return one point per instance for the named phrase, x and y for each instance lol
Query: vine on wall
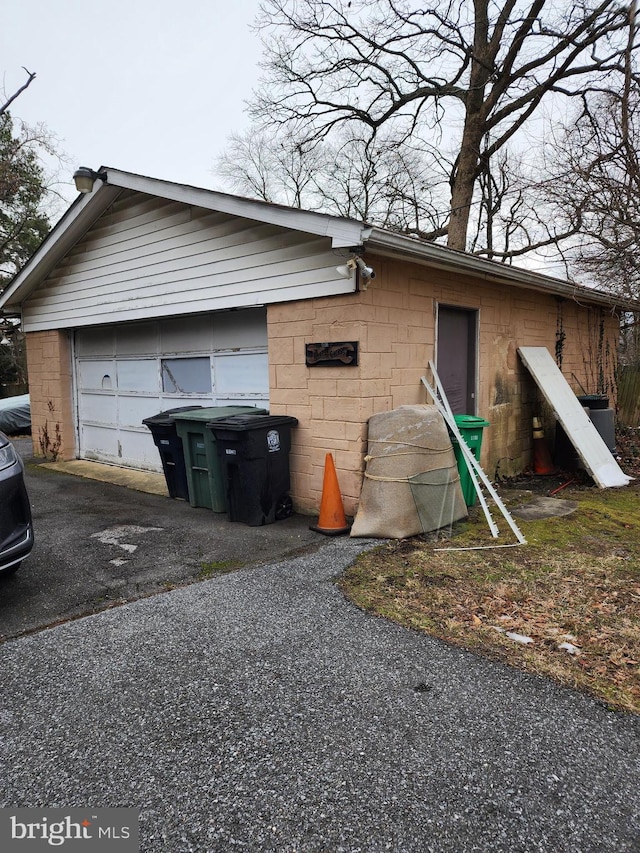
(50, 444)
(561, 335)
(600, 363)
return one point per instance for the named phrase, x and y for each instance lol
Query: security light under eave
(84, 178)
(346, 270)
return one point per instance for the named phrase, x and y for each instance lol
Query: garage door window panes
(138, 375)
(186, 375)
(241, 374)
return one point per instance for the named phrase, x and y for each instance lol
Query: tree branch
(30, 79)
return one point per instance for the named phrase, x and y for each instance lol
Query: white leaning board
(586, 439)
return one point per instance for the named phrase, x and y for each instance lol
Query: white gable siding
(151, 258)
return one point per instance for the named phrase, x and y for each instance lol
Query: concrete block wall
(394, 331)
(394, 322)
(49, 365)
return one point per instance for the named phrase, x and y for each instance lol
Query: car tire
(7, 573)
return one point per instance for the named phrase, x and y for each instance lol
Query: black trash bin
(254, 458)
(169, 444)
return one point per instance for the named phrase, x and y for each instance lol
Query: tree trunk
(462, 194)
(466, 168)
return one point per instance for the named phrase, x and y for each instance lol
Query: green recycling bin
(204, 477)
(471, 429)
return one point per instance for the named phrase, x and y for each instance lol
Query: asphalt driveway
(99, 545)
(260, 711)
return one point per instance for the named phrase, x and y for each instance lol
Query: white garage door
(129, 372)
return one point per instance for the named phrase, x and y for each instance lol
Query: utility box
(204, 476)
(254, 457)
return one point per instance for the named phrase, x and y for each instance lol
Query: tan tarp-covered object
(411, 482)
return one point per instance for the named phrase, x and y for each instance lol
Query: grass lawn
(566, 605)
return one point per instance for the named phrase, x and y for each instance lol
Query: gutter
(408, 248)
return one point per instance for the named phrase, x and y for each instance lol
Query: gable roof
(344, 233)
(87, 208)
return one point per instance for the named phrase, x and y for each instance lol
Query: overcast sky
(146, 86)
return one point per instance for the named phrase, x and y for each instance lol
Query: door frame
(473, 315)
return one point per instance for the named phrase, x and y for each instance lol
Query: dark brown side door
(456, 357)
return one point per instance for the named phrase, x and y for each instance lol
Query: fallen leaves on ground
(573, 593)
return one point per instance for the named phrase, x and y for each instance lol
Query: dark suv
(16, 527)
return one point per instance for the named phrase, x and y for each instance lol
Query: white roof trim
(344, 234)
(85, 210)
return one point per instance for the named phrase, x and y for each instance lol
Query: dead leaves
(622, 660)
(579, 608)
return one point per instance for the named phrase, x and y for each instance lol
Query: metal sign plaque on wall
(336, 354)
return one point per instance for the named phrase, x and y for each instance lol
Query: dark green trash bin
(471, 429)
(204, 478)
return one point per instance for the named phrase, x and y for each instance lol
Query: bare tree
(264, 166)
(349, 175)
(440, 79)
(595, 181)
(513, 217)
(31, 75)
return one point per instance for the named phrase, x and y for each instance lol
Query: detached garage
(149, 295)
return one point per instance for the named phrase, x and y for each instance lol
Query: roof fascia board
(344, 233)
(431, 254)
(70, 228)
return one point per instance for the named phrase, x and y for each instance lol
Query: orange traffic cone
(332, 521)
(542, 463)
